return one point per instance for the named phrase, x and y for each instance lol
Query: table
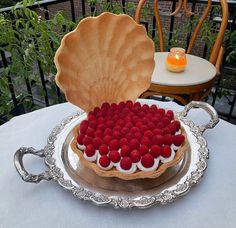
(210, 204)
(196, 81)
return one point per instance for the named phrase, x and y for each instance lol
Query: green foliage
(31, 41)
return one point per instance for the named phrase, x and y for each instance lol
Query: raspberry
(178, 139)
(126, 111)
(99, 134)
(137, 104)
(145, 121)
(97, 142)
(146, 141)
(129, 104)
(177, 124)
(168, 139)
(149, 134)
(114, 156)
(141, 114)
(91, 116)
(158, 140)
(84, 123)
(93, 124)
(160, 126)
(103, 149)
(161, 111)
(134, 144)
(135, 156)
(153, 107)
(117, 128)
(104, 161)
(124, 131)
(114, 106)
(156, 120)
(135, 119)
(83, 129)
(129, 125)
(172, 128)
(133, 130)
(125, 151)
(139, 124)
(101, 127)
(107, 139)
(166, 130)
(129, 136)
(166, 121)
(151, 126)
(120, 123)
(157, 132)
(96, 110)
(89, 150)
(116, 134)
(80, 138)
(121, 105)
(138, 136)
(126, 163)
(87, 140)
(143, 149)
(110, 123)
(114, 144)
(145, 108)
(170, 114)
(144, 129)
(123, 141)
(90, 132)
(165, 151)
(155, 151)
(107, 131)
(100, 120)
(105, 105)
(147, 161)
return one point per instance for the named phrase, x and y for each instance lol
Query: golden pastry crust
(136, 175)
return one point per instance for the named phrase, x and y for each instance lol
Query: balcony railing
(25, 92)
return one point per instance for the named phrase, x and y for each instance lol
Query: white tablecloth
(210, 204)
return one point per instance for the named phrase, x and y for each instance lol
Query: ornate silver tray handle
(65, 169)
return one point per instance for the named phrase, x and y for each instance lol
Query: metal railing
(78, 11)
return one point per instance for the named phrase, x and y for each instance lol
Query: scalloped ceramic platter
(66, 169)
(106, 58)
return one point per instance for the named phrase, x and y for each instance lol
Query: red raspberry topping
(103, 149)
(165, 151)
(126, 163)
(107, 139)
(125, 151)
(121, 105)
(114, 144)
(129, 104)
(80, 138)
(158, 140)
(155, 151)
(104, 161)
(97, 143)
(145, 108)
(133, 130)
(120, 123)
(105, 105)
(96, 110)
(153, 107)
(172, 128)
(168, 139)
(83, 129)
(135, 156)
(149, 134)
(90, 150)
(177, 124)
(137, 104)
(157, 132)
(87, 140)
(166, 130)
(114, 156)
(138, 136)
(151, 126)
(170, 114)
(124, 131)
(144, 129)
(147, 161)
(161, 111)
(139, 124)
(129, 125)
(143, 150)
(90, 132)
(93, 124)
(101, 120)
(178, 139)
(84, 123)
(166, 121)
(116, 135)
(123, 141)
(107, 131)
(110, 123)
(114, 106)
(146, 141)
(134, 144)
(129, 136)
(160, 126)
(101, 127)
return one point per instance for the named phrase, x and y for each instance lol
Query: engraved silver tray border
(168, 195)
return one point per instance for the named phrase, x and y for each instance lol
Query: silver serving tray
(65, 168)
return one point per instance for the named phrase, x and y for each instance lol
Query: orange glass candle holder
(176, 60)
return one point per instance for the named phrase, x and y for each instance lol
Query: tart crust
(136, 175)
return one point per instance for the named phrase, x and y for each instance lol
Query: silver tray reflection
(65, 168)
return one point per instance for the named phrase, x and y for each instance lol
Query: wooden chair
(195, 92)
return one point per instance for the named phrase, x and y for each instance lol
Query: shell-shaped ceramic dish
(106, 58)
(136, 175)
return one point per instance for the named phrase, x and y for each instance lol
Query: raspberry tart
(129, 140)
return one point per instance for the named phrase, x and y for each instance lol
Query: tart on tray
(103, 71)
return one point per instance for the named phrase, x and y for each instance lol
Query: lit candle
(176, 60)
